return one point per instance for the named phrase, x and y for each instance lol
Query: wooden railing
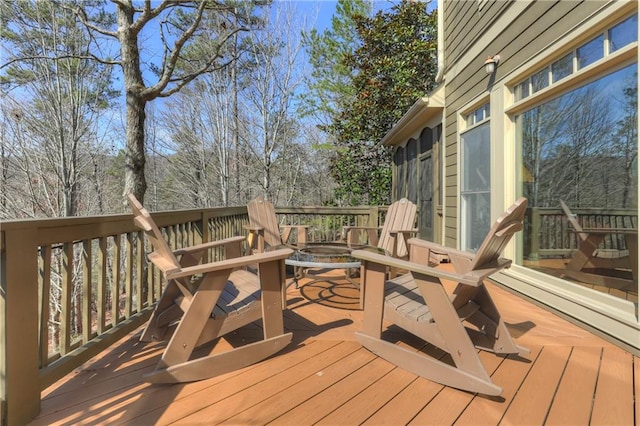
(549, 234)
(73, 286)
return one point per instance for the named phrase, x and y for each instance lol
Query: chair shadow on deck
(334, 292)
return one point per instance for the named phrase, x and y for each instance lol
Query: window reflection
(562, 68)
(623, 34)
(540, 80)
(590, 52)
(581, 149)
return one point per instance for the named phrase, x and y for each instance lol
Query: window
(562, 68)
(623, 34)
(476, 181)
(540, 80)
(581, 148)
(590, 52)
(478, 115)
(617, 37)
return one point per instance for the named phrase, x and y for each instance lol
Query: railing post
(19, 305)
(534, 244)
(374, 215)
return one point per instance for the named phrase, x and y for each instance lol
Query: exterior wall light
(491, 63)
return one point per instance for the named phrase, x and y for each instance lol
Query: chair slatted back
(401, 215)
(162, 256)
(573, 220)
(510, 222)
(262, 214)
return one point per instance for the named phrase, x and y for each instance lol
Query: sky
(322, 10)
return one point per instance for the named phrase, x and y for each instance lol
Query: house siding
(471, 34)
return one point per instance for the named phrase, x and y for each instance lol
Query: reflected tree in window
(582, 146)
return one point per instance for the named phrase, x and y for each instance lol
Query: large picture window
(579, 173)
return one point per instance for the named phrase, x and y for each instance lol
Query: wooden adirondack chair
(264, 230)
(399, 225)
(419, 303)
(202, 302)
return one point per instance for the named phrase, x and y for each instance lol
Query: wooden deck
(326, 377)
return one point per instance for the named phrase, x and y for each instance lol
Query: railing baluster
(87, 270)
(129, 277)
(102, 285)
(45, 298)
(140, 271)
(67, 284)
(115, 285)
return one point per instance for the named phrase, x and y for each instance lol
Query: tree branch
(58, 58)
(81, 14)
(169, 63)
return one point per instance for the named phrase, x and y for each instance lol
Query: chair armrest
(458, 256)
(253, 228)
(404, 231)
(398, 250)
(234, 263)
(418, 243)
(392, 262)
(488, 269)
(206, 246)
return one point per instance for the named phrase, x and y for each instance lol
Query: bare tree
(197, 145)
(58, 100)
(178, 23)
(270, 98)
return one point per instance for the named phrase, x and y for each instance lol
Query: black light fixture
(491, 64)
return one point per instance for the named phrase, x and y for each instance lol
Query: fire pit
(329, 256)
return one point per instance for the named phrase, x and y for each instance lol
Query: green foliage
(47, 41)
(329, 86)
(395, 65)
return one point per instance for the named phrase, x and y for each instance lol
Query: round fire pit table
(326, 256)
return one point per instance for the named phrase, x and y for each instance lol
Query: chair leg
(164, 313)
(468, 373)
(489, 320)
(272, 278)
(445, 317)
(197, 326)
(188, 331)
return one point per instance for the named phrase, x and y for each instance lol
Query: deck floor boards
(325, 377)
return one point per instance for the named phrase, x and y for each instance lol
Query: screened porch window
(400, 164)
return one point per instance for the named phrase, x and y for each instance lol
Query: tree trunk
(135, 158)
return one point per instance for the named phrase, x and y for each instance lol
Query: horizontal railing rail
(73, 286)
(326, 223)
